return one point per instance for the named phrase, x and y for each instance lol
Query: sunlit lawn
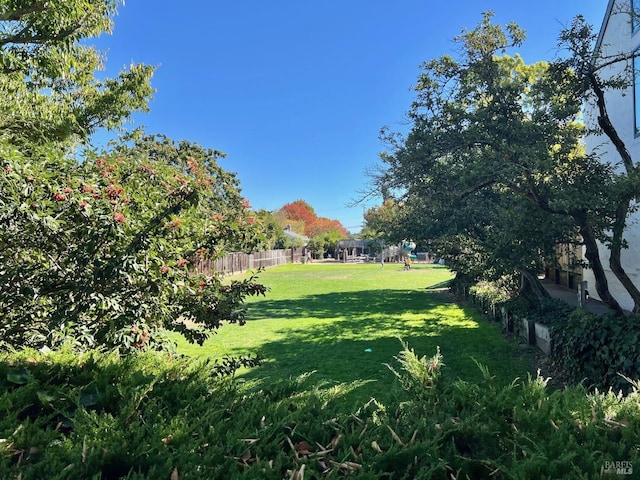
(343, 322)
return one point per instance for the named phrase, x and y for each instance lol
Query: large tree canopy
(101, 250)
(492, 171)
(48, 90)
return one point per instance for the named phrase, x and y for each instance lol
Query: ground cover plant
(342, 321)
(69, 416)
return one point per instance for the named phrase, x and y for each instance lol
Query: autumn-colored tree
(323, 225)
(303, 219)
(300, 211)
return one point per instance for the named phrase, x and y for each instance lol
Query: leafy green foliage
(105, 252)
(325, 243)
(492, 175)
(274, 235)
(150, 416)
(497, 292)
(384, 224)
(48, 92)
(598, 350)
(552, 312)
(417, 374)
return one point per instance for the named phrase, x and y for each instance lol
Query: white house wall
(617, 38)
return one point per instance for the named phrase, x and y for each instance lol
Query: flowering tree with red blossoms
(102, 251)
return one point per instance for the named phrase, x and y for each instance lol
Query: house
(297, 238)
(619, 35)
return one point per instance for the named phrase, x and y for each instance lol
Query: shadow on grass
(439, 286)
(359, 334)
(353, 305)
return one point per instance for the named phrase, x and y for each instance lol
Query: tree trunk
(616, 251)
(593, 256)
(531, 286)
(604, 121)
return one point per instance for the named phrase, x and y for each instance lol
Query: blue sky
(295, 92)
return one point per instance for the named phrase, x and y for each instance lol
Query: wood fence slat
(239, 262)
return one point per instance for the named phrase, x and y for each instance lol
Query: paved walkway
(571, 297)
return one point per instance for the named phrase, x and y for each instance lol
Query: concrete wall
(617, 38)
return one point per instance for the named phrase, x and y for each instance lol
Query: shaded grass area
(343, 322)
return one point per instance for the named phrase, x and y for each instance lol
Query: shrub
(496, 292)
(151, 416)
(102, 252)
(417, 374)
(552, 312)
(598, 349)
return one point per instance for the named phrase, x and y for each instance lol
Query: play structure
(407, 247)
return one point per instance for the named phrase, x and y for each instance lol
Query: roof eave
(603, 27)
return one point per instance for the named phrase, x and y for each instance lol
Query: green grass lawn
(326, 317)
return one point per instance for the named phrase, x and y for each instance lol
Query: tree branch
(16, 15)
(605, 123)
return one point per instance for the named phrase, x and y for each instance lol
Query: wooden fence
(241, 262)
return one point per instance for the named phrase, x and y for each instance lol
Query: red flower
(82, 203)
(164, 269)
(119, 217)
(192, 165)
(147, 168)
(181, 263)
(113, 191)
(245, 203)
(59, 197)
(67, 190)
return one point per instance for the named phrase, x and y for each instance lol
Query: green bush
(495, 292)
(597, 349)
(150, 416)
(104, 252)
(552, 312)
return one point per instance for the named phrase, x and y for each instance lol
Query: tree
(385, 224)
(595, 76)
(492, 140)
(275, 237)
(303, 219)
(104, 251)
(300, 211)
(48, 91)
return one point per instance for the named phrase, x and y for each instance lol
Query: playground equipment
(407, 247)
